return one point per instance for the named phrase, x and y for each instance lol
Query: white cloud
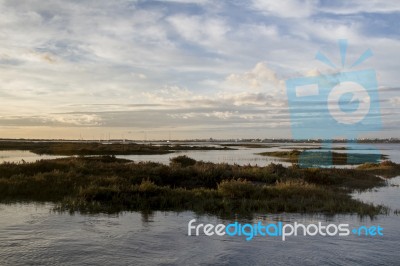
(255, 78)
(192, 58)
(201, 30)
(169, 94)
(259, 87)
(307, 8)
(360, 6)
(288, 8)
(74, 119)
(395, 101)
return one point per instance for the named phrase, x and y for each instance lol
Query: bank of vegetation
(107, 184)
(316, 157)
(98, 148)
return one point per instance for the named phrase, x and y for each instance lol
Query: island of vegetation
(108, 184)
(320, 157)
(97, 148)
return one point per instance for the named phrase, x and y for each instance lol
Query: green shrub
(183, 161)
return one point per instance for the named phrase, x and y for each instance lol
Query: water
(19, 156)
(31, 234)
(241, 156)
(388, 195)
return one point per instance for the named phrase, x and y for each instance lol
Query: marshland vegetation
(70, 148)
(108, 184)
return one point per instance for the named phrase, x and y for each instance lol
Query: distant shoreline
(268, 140)
(70, 148)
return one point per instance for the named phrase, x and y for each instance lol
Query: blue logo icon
(344, 104)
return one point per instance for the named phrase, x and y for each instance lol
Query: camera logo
(348, 103)
(343, 104)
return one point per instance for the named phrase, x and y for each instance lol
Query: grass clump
(183, 161)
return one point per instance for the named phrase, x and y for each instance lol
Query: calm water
(27, 156)
(31, 234)
(241, 156)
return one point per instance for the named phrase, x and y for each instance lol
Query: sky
(181, 69)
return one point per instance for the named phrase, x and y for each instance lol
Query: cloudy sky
(180, 69)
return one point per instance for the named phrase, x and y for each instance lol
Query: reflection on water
(241, 156)
(388, 195)
(33, 234)
(20, 156)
